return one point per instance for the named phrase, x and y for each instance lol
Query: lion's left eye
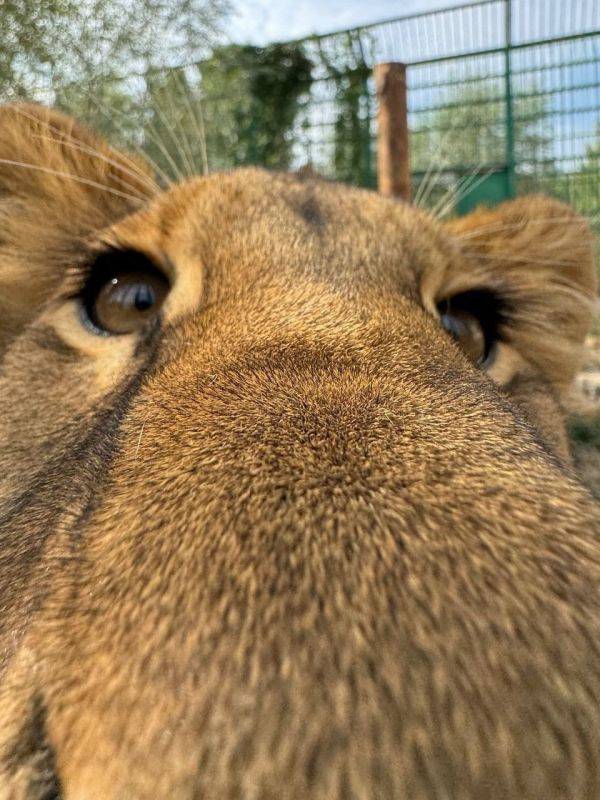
(468, 332)
(124, 292)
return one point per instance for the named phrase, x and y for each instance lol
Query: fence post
(393, 166)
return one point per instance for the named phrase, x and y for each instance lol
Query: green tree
(470, 130)
(104, 62)
(581, 188)
(47, 45)
(28, 32)
(253, 96)
(352, 156)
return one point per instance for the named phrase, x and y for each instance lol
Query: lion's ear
(59, 183)
(535, 255)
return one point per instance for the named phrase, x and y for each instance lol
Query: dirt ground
(584, 421)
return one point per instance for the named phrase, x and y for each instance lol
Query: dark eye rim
(489, 309)
(105, 267)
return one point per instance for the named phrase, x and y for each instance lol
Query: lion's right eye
(124, 293)
(467, 331)
(475, 320)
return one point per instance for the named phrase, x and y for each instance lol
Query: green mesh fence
(504, 98)
(511, 119)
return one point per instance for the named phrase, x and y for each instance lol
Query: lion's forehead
(250, 226)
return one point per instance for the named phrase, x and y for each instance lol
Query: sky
(262, 21)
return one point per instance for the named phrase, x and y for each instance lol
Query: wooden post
(393, 166)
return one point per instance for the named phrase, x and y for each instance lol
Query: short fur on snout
(288, 542)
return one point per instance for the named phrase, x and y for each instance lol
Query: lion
(287, 507)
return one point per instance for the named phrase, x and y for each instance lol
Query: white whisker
(89, 151)
(424, 186)
(109, 114)
(452, 190)
(429, 181)
(463, 192)
(70, 176)
(169, 129)
(184, 142)
(199, 126)
(431, 175)
(203, 142)
(450, 194)
(153, 135)
(434, 171)
(78, 144)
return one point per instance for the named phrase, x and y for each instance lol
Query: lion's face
(285, 498)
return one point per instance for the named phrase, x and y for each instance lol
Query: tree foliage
(461, 147)
(253, 98)
(47, 45)
(470, 129)
(352, 129)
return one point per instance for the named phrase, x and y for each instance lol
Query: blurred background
(503, 96)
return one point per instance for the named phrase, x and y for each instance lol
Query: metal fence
(503, 98)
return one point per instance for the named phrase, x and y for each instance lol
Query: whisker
(109, 113)
(183, 88)
(100, 157)
(424, 185)
(451, 193)
(203, 143)
(184, 142)
(453, 189)
(78, 144)
(442, 156)
(154, 136)
(70, 176)
(449, 196)
(198, 126)
(463, 192)
(434, 174)
(472, 184)
(427, 184)
(169, 129)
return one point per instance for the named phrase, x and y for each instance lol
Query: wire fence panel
(503, 98)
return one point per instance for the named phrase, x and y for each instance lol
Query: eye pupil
(144, 297)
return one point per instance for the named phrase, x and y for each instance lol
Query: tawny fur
(289, 543)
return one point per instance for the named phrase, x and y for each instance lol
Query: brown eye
(466, 329)
(477, 320)
(124, 292)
